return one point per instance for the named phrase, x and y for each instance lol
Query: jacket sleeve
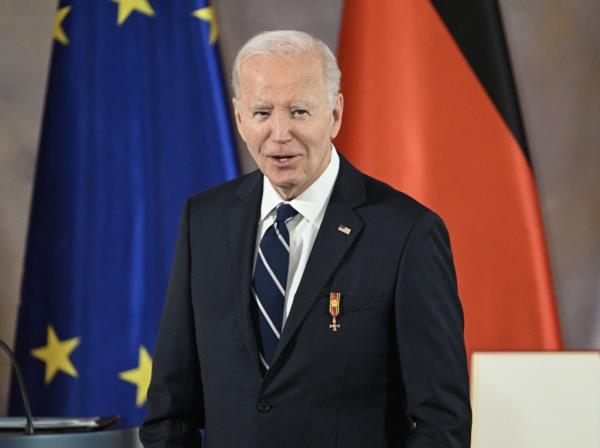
(175, 402)
(429, 337)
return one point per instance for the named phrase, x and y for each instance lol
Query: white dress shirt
(303, 228)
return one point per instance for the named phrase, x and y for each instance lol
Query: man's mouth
(282, 159)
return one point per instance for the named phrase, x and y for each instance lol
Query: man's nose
(280, 128)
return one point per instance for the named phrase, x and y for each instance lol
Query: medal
(334, 310)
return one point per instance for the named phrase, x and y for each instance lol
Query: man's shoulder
(227, 193)
(397, 207)
(382, 197)
(396, 214)
(385, 194)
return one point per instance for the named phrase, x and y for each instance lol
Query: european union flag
(135, 121)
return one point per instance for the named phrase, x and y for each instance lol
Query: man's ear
(338, 110)
(238, 116)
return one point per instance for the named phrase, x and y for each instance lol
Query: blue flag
(135, 121)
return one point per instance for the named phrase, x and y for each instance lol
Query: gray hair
(285, 42)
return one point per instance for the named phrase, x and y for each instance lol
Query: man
(309, 305)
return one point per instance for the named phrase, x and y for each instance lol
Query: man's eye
(299, 112)
(260, 114)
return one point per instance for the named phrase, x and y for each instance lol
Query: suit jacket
(394, 375)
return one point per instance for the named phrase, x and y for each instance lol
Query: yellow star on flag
(208, 15)
(140, 376)
(126, 7)
(58, 33)
(56, 355)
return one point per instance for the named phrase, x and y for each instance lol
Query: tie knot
(285, 212)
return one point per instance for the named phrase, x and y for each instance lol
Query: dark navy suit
(394, 375)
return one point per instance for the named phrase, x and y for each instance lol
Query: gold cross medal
(334, 309)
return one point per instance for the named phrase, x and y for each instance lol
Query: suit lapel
(329, 248)
(243, 222)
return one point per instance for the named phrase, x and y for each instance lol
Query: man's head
(287, 106)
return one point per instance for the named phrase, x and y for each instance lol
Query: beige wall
(555, 47)
(25, 30)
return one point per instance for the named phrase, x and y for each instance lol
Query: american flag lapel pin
(345, 230)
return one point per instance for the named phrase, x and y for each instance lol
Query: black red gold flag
(430, 108)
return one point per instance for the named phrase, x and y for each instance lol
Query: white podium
(536, 399)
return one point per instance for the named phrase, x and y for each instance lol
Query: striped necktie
(269, 283)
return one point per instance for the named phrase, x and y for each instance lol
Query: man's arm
(175, 404)
(429, 334)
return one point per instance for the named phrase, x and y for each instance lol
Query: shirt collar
(312, 201)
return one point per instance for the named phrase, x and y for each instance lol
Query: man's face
(286, 120)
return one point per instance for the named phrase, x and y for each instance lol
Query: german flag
(431, 109)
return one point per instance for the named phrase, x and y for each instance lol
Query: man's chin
(287, 188)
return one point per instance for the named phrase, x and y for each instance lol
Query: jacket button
(263, 406)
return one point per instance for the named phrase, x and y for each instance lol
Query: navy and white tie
(269, 283)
